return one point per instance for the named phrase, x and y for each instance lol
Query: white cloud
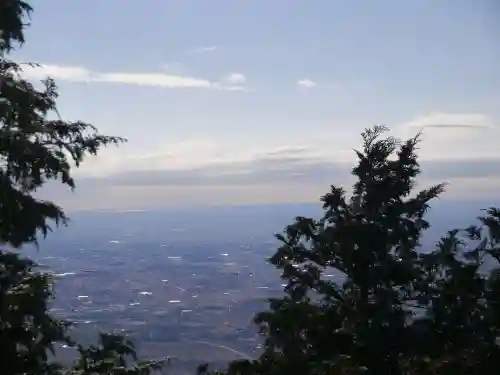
(206, 49)
(172, 156)
(232, 82)
(453, 135)
(201, 162)
(449, 120)
(203, 165)
(154, 79)
(231, 87)
(205, 153)
(67, 73)
(189, 153)
(306, 83)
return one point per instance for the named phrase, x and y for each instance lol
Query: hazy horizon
(221, 223)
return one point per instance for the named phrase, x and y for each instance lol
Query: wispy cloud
(202, 162)
(453, 135)
(198, 163)
(449, 120)
(291, 178)
(202, 153)
(234, 82)
(154, 79)
(220, 172)
(306, 83)
(66, 73)
(295, 169)
(205, 49)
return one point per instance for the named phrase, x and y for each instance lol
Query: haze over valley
(184, 283)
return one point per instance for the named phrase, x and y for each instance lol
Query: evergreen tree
(393, 308)
(34, 149)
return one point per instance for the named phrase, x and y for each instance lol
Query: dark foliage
(393, 308)
(34, 148)
(37, 146)
(27, 332)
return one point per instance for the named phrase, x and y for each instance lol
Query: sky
(263, 101)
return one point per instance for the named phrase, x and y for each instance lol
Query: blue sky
(232, 88)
